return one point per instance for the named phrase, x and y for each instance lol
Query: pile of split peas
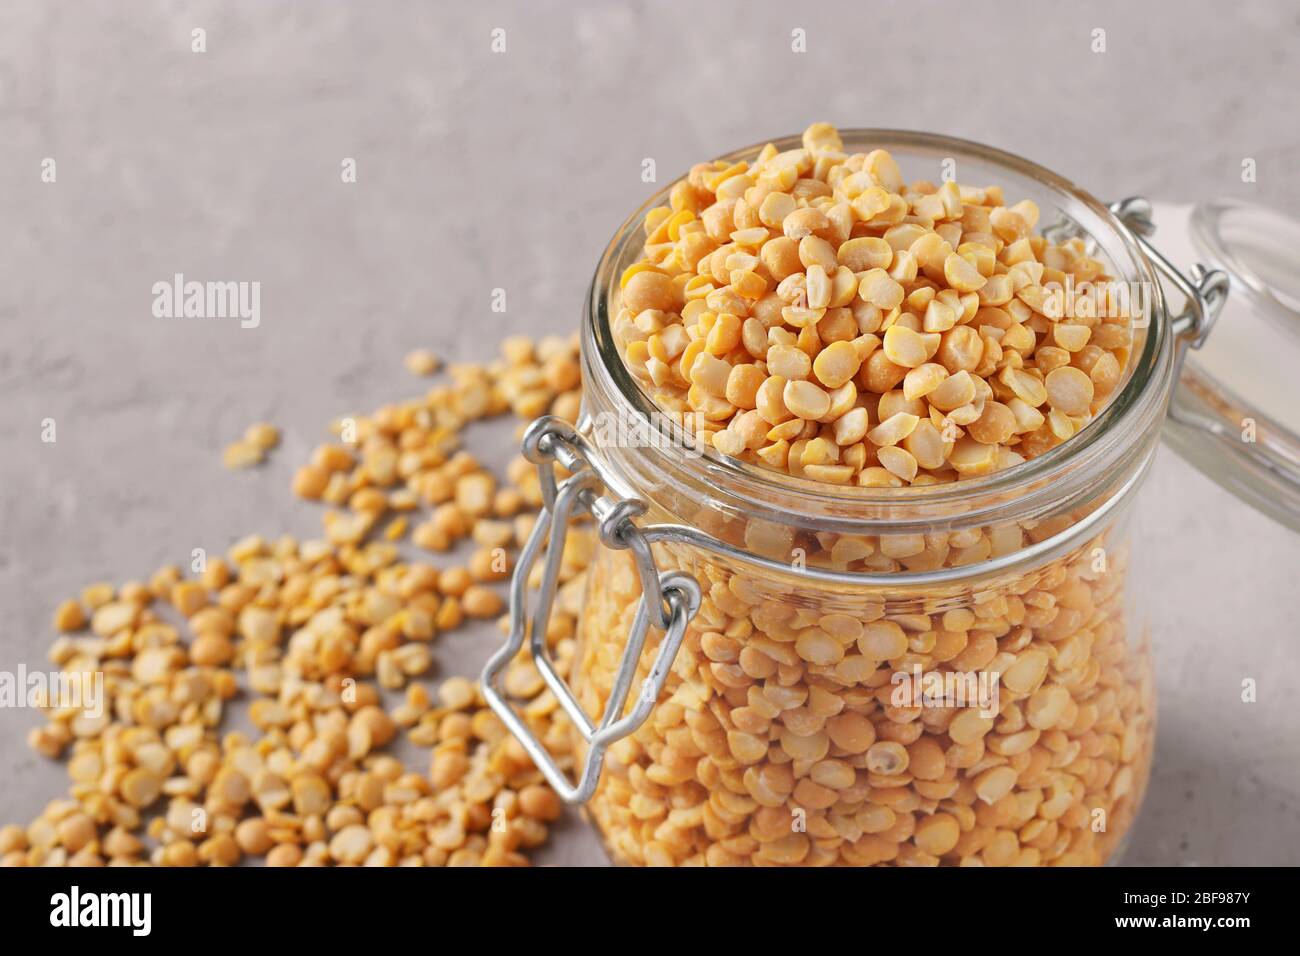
(308, 635)
(812, 312)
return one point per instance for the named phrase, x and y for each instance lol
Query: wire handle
(1205, 290)
(668, 603)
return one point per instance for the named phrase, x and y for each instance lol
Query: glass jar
(942, 674)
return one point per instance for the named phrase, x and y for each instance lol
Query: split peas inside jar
(808, 312)
(812, 313)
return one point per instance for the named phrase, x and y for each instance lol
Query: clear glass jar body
(1012, 724)
(953, 674)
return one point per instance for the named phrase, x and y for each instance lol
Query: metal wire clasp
(1205, 291)
(668, 602)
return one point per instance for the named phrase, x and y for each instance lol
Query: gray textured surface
(479, 171)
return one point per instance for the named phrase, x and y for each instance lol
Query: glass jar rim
(1140, 400)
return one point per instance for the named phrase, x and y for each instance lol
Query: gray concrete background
(479, 170)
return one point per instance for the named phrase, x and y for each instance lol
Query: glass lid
(1236, 411)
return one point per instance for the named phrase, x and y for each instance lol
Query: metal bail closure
(1205, 291)
(668, 603)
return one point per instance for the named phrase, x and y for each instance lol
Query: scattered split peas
(312, 631)
(793, 298)
(406, 456)
(252, 448)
